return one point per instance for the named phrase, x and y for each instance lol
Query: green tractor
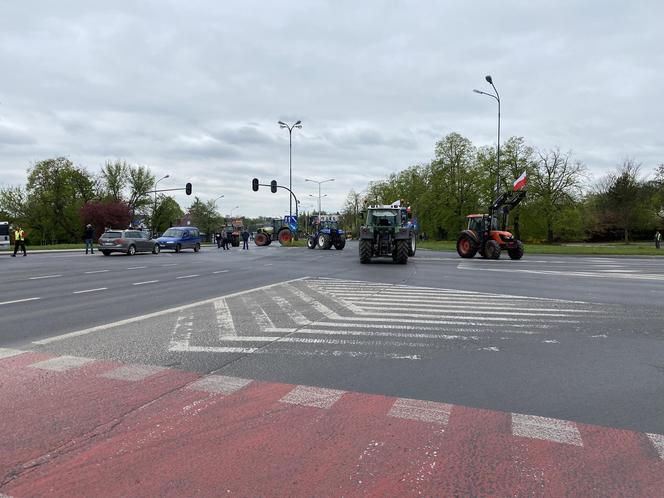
(387, 233)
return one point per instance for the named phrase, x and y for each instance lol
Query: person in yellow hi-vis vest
(19, 241)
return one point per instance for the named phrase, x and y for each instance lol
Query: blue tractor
(326, 233)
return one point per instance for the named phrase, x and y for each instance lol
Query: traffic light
(187, 188)
(273, 186)
(254, 184)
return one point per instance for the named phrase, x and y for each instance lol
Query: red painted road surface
(77, 427)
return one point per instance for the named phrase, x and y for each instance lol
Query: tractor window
(383, 218)
(475, 224)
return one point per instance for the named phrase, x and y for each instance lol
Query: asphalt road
(576, 338)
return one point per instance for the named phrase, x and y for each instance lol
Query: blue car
(178, 238)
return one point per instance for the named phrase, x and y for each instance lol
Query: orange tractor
(487, 233)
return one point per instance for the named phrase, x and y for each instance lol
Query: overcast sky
(194, 89)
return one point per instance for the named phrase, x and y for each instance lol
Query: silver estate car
(127, 241)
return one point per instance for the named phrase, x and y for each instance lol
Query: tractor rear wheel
(365, 251)
(492, 249)
(517, 252)
(261, 239)
(401, 252)
(412, 246)
(311, 243)
(324, 241)
(339, 244)
(285, 237)
(466, 246)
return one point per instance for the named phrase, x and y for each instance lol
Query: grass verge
(607, 249)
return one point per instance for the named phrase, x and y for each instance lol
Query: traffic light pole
(291, 193)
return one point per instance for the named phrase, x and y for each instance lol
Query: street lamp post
(215, 201)
(236, 207)
(319, 184)
(497, 97)
(154, 210)
(297, 124)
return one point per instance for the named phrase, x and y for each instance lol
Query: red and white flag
(520, 182)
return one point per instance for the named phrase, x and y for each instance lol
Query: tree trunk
(549, 231)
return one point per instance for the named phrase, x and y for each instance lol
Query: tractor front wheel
(492, 250)
(261, 239)
(365, 251)
(311, 243)
(340, 244)
(401, 252)
(412, 246)
(466, 246)
(517, 252)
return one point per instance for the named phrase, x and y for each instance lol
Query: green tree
(56, 192)
(166, 214)
(555, 184)
(115, 177)
(204, 215)
(141, 183)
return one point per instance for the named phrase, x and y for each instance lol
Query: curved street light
(297, 124)
(319, 184)
(236, 207)
(489, 80)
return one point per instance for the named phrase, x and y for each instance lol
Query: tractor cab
(384, 218)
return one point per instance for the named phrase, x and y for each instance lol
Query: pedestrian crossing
(333, 317)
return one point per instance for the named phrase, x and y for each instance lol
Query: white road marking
(219, 384)
(20, 300)
(44, 276)
(603, 336)
(551, 341)
(170, 264)
(259, 314)
(489, 327)
(153, 315)
(146, 282)
(290, 310)
(548, 429)
(373, 305)
(133, 373)
(490, 348)
(424, 411)
(320, 307)
(8, 353)
(90, 290)
(97, 271)
(658, 442)
(219, 271)
(185, 347)
(136, 267)
(365, 333)
(311, 340)
(317, 397)
(186, 276)
(62, 363)
(224, 319)
(458, 320)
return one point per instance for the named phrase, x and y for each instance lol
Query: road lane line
(8, 353)
(90, 290)
(548, 429)
(136, 267)
(186, 276)
(170, 264)
(219, 384)
(97, 271)
(317, 397)
(155, 314)
(424, 411)
(20, 300)
(44, 276)
(62, 363)
(146, 282)
(219, 271)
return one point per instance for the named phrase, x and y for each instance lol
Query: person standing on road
(88, 236)
(658, 239)
(245, 239)
(19, 241)
(227, 240)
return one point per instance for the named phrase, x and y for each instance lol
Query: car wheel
(106, 253)
(178, 248)
(197, 247)
(131, 251)
(156, 249)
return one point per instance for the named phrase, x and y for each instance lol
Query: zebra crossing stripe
(290, 310)
(133, 373)
(224, 319)
(317, 397)
(549, 429)
(219, 384)
(423, 411)
(61, 363)
(8, 353)
(657, 441)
